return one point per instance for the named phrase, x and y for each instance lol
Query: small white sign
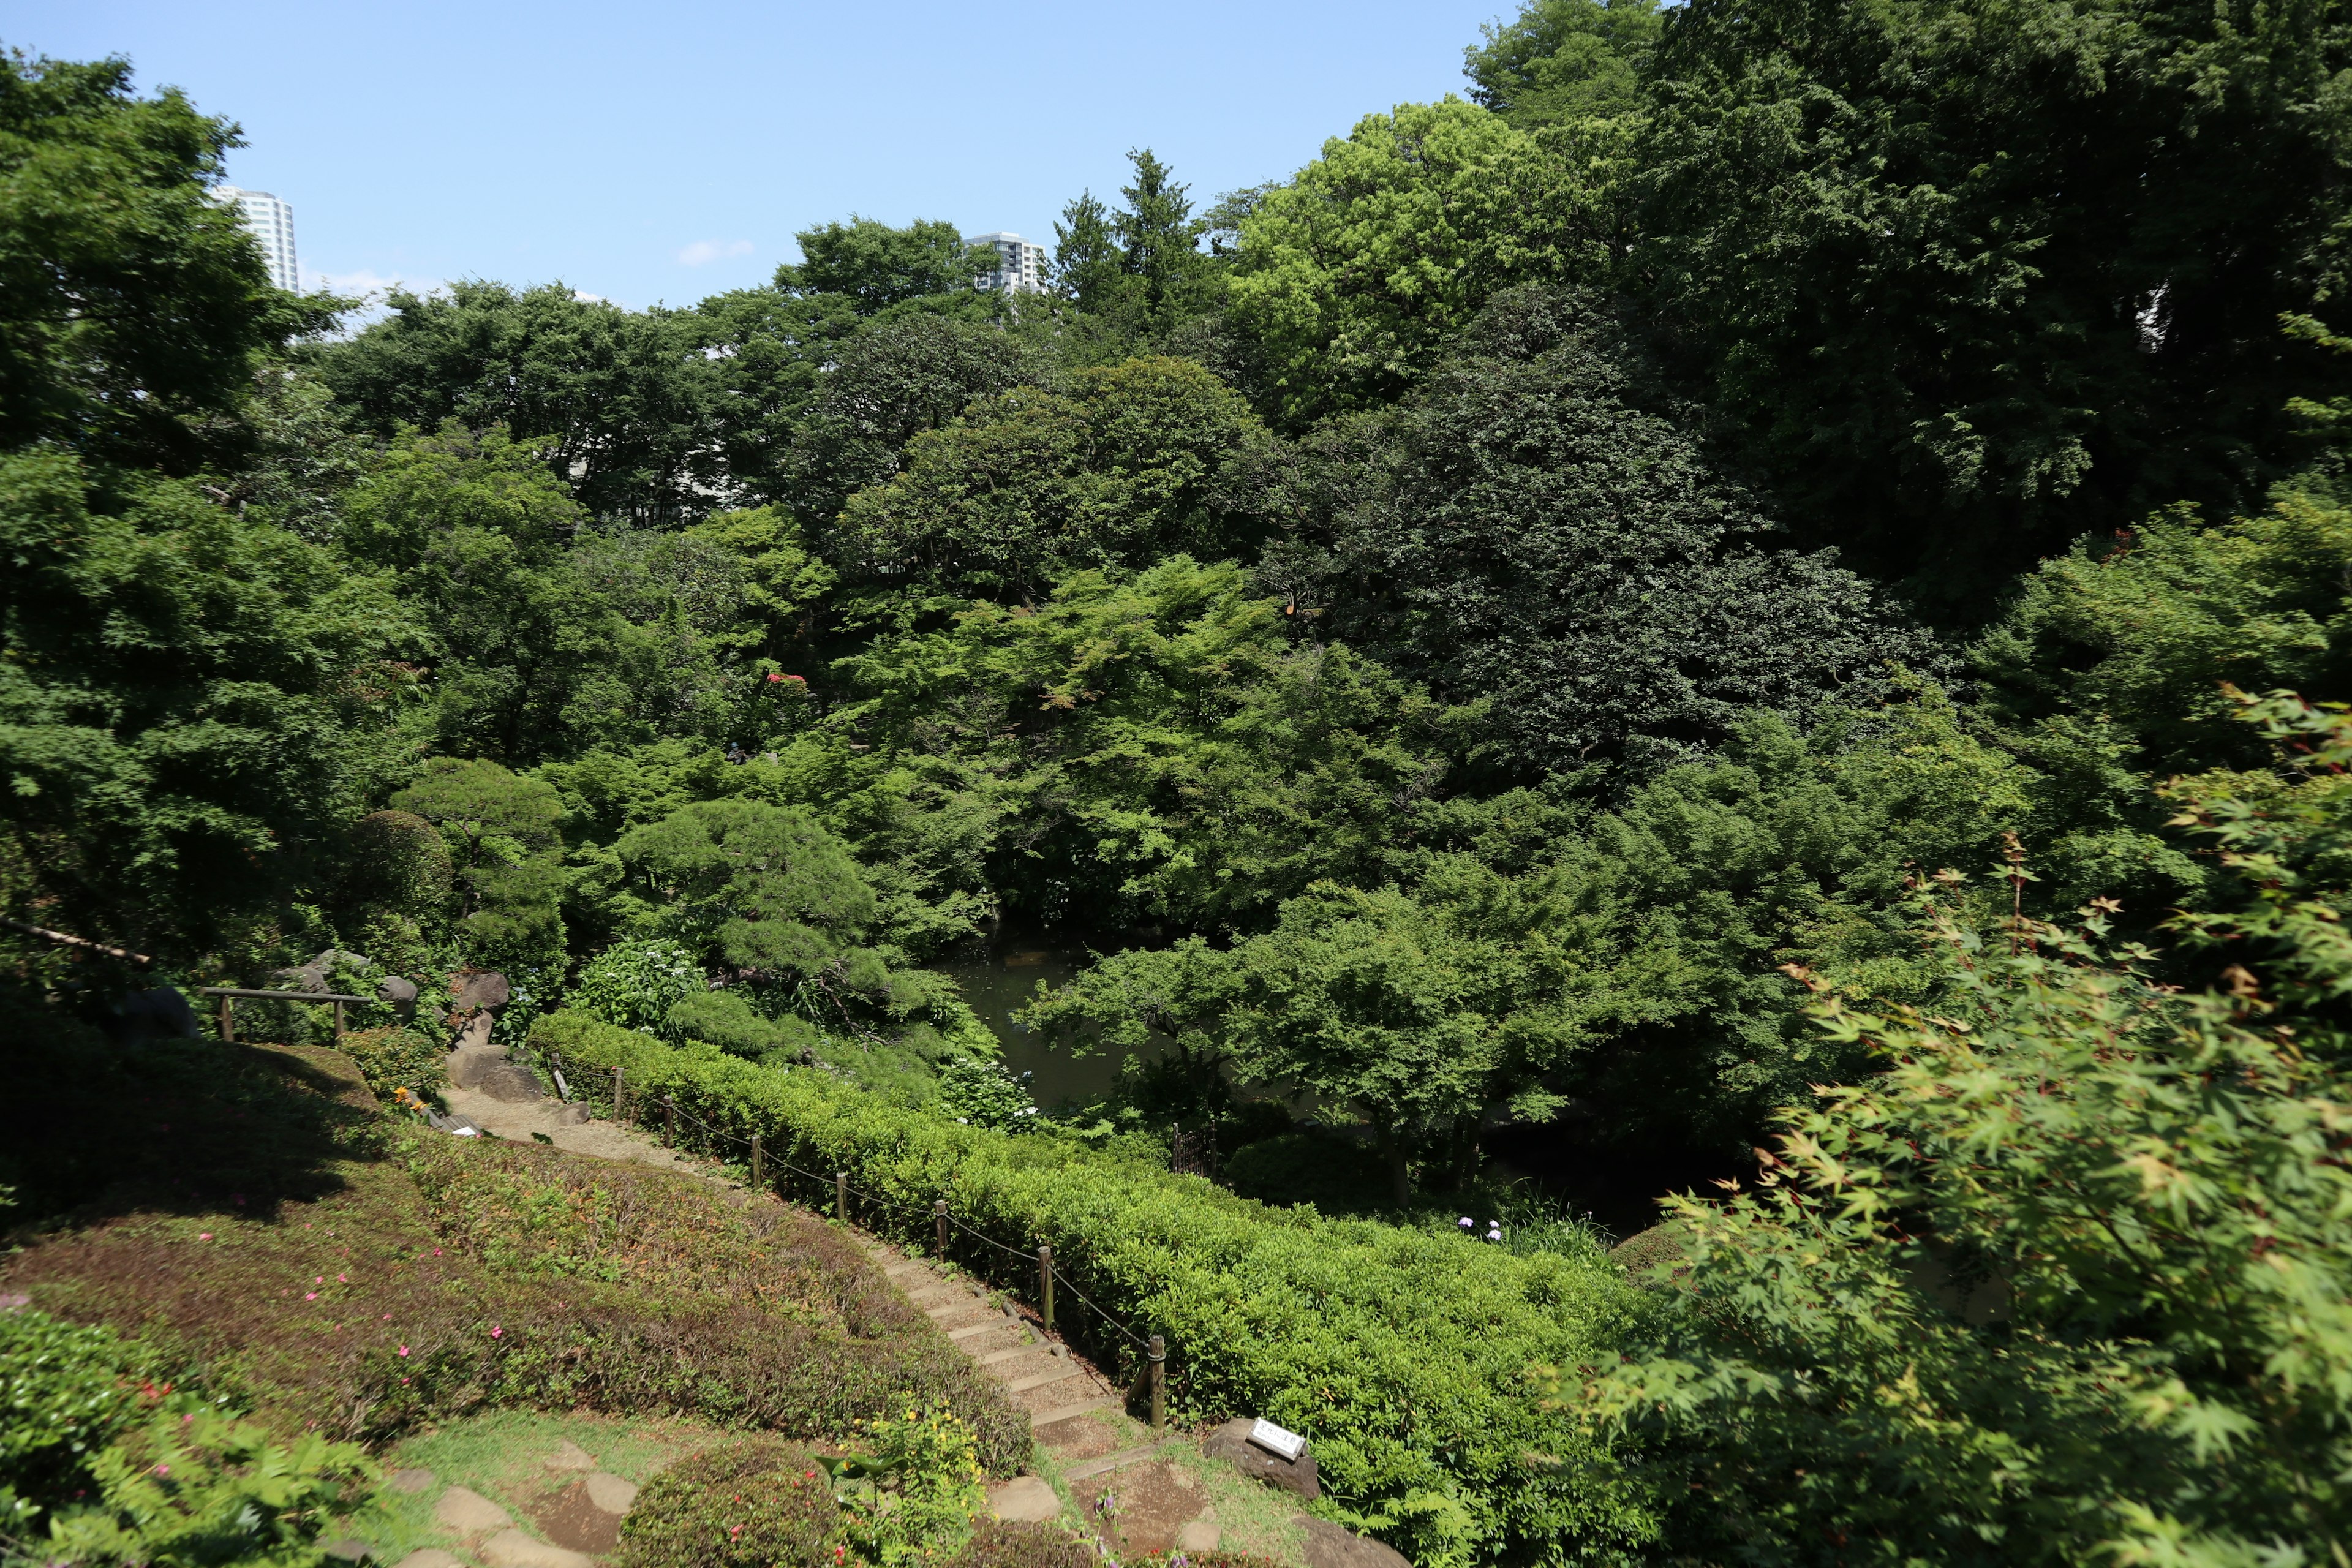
(1278, 1440)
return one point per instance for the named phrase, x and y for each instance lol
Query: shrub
(981, 1093)
(1402, 1353)
(1336, 1174)
(398, 1059)
(1014, 1543)
(755, 1502)
(913, 1497)
(63, 1396)
(201, 1488)
(634, 984)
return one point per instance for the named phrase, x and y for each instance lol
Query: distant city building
(271, 223)
(1021, 266)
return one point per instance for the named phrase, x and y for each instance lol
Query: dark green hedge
(1403, 1355)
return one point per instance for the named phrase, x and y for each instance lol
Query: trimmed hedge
(1404, 1354)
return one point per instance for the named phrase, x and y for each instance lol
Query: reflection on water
(1001, 973)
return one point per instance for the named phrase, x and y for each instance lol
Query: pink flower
(437, 1252)
(162, 1469)
(496, 1331)
(404, 1380)
(203, 1235)
(403, 1350)
(342, 1278)
(310, 1296)
(387, 1316)
(773, 679)
(318, 1279)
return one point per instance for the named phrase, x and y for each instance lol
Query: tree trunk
(1391, 1148)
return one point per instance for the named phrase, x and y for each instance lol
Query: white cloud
(708, 251)
(371, 285)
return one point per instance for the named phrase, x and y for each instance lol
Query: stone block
(513, 1549)
(410, 1482)
(609, 1491)
(466, 1511)
(1027, 1499)
(1231, 1443)
(1328, 1545)
(570, 1456)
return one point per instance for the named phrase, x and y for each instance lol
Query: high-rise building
(271, 224)
(1020, 266)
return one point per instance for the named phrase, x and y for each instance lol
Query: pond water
(1001, 972)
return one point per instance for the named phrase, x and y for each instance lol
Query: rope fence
(1148, 1351)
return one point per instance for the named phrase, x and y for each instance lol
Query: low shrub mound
(759, 1502)
(1403, 1355)
(397, 1059)
(1015, 1543)
(398, 1276)
(1317, 1166)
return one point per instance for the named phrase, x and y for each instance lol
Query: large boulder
(482, 988)
(396, 992)
(160, 1011)
(511, 1083)
(1231, 1443)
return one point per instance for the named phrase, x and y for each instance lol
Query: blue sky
(664, 152)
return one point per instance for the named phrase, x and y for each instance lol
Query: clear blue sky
(656, 151)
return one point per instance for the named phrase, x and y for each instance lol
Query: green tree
(2065, 1283)
(1916, 255)
(506, 853)
(134, 309)
(766, 894)
(1088, 259)
(1564, 60)
(1159, 242)
(1357, 274)
(1138, 461)
(1538, 527)
(619, 401)
(769, 349)
(876, 266)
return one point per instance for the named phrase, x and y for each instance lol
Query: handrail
(279, 995)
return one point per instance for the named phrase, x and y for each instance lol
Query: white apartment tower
(1020, 266)
(271, 224)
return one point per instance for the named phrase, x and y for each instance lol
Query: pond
(1001, 972)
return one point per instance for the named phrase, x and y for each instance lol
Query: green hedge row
(1405, 1355)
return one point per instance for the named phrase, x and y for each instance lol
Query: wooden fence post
(339, 1023)
(841, 1196)
(759, 1165)
(1045, 1285)
(939, 1219)
(616, 1094)
(228, 1020)
(1159, 1380)
(669, 1122)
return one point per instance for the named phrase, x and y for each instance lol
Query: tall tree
(876, 266)
(1971, 278)
(1087, 261)
(1564, 60)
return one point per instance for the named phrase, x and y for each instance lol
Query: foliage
(1356, 274)
(1564, 60)
(1399, 1352)
(1313, 1165)
(980, 1093)
(504, 854)
(133, 309)
(2064, 1284)
(912, 1498)
(1135, 463)
(765, 894)
(202, 1490)
(619, 396)
(1904, 249)
(394, 1059)
(876, 265)
(751, 1502)
(1528, 531)
(63, 1397)
(1016, 1544)
(635, 984)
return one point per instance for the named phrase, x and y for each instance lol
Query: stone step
(1024, 1384)
(969, 1329)
(993, 1357)
(1119, 1460)
(1063, 1412)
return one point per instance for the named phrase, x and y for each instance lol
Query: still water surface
(1001, 973)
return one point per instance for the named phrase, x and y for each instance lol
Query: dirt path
(1137, 1489)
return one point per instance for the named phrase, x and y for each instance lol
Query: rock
(487, 989)
(509, 1081)
(350, 1548)
(310, 977)
(410, 1482)
(396, 992)
(465, 1510)
(1231, 1443)
(609, 1491)
(1199, 1535)
(513, 1549)
(1025, 1499)
(575, 1115)
(158, 1012)
(1330, 1546)
(430, 1557)
(570, 1456)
